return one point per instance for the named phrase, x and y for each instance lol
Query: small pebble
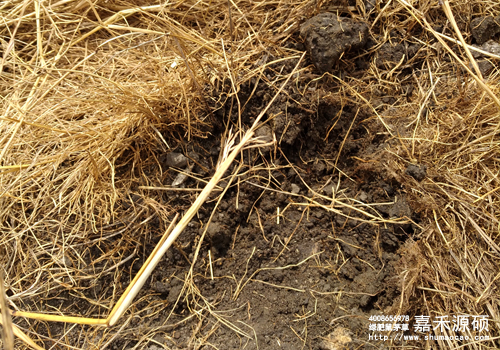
(177, 160)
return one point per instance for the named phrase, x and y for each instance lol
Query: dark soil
(289, 284)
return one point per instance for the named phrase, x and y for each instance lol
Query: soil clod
(418, 172)
(328, 36)
(485, 28)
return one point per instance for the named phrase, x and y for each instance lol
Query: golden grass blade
(458, 42)
(135, 286)
(24, 337)
(41, 126)
(116, 17)
(451, 18)
(60, 318)
(10, 45)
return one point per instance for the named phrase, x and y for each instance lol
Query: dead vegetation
(93, 92)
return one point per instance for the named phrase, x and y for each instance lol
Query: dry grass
(451, 124)
(91, 92)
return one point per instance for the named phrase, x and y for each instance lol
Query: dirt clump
(485, 63)
(327, 36)
(418, 172)
(485, 28)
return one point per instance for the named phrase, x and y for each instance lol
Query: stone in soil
(486, 63)
(175, 159)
